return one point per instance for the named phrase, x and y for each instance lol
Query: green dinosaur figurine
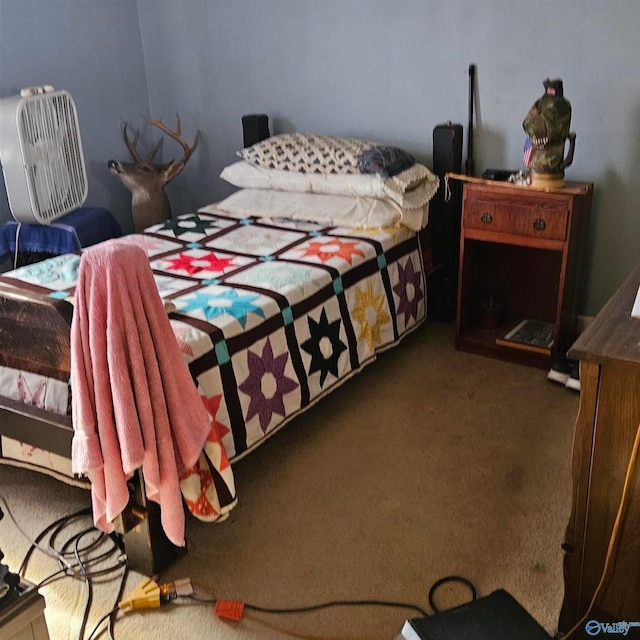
(547, 126)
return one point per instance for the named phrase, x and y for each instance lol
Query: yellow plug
(150, 595)
(145, 596)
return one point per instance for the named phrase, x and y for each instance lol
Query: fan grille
(52, 155)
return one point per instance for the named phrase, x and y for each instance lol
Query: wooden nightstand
(521, 258)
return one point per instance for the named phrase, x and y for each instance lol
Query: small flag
(528, 151)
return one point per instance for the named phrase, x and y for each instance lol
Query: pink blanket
(134, 403)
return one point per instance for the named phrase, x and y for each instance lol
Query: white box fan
(41, 155)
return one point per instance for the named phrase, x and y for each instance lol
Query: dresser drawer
(540, 217)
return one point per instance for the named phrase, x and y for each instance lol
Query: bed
(271, 310)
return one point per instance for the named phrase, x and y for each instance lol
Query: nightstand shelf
(521, 248)
(484, 342)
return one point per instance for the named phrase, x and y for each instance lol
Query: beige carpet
(431, 462)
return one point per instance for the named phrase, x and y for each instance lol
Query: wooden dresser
(608, 418)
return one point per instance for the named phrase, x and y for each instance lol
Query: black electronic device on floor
(497, 616)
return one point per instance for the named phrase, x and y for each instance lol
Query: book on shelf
(534, 335)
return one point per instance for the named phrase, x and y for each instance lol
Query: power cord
(111, 615)
(35, 543)
(231, 610)
(149, 595)
(234, 610)
(436, 585)
(334, 603)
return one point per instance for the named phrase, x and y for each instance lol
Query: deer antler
(177, 136)
(132, 145)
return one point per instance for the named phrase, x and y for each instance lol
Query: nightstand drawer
(538, 217)
(542, 221)
(478, 214)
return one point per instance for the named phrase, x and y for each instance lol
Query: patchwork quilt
(270, 314)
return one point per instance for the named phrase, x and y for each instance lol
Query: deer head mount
(146, 179)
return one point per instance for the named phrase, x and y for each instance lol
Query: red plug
(229, 609)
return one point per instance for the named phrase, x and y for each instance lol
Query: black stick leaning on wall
(469, 165)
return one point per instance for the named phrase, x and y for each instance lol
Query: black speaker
(255, 127)
(445, 210)
(447, 148)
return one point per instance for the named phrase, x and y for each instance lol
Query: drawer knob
(539, 224)
(486, 217)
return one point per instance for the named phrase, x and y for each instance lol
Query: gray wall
(384, 69)
(93, 49)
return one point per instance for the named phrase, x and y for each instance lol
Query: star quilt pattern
(270, 315)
